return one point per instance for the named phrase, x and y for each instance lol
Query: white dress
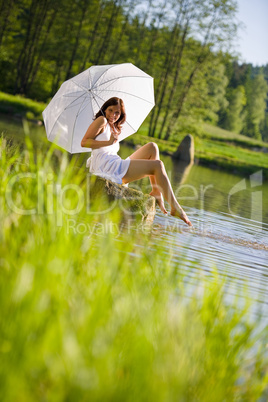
(105, 162)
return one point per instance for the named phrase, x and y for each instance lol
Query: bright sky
(253, 39)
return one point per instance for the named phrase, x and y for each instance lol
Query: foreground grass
(104, 315)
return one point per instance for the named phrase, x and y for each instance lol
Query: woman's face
(113, 113)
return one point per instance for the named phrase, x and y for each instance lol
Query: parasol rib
(77, 114)
(119, 78)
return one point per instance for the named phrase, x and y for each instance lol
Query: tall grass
(104, 315)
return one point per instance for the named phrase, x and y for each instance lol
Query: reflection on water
(180, 171)
(213, 190)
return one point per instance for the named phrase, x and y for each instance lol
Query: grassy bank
(92, 315)
(214, 147)
(20, 107)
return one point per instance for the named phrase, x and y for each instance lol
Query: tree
(256, 106)
(37, 18)
(172, 64)
(5, 12)
(215, 22)
(235, 114)
(211, 23)
(175, 41)
(83, 8)
(114, 11)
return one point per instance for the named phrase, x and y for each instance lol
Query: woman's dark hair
(114, 102)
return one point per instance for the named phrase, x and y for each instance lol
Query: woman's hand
(113, 138)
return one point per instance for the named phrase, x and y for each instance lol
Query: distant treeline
(183, 44)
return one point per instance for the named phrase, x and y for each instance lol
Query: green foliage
(20, 106)
(247, 97)
(235, 114)
(220, 134)
(94, 316)
(257, 95)
(42, 45)
(207, 96)
(230, 157)
(183, 45)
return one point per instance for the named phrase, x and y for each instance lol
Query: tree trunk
(36, 21)
(6, 7)
(183, 96)
(41, 51)
(176, 77)
(115, 49)
(140, 37)
(77, 37)
(168, 66)
(57, 78)
(108, 33)
(201, 58)
(92, 36)
(155, 30)
(162, 86)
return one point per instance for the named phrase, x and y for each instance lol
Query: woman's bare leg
(151, 151)
(139, 168)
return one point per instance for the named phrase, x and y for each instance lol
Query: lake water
(230, 218)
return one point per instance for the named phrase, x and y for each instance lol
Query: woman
(102, 136)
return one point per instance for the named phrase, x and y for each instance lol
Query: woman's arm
(93, 130)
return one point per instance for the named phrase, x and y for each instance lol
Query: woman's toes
(182, 215)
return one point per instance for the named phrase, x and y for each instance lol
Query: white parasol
(72, 109)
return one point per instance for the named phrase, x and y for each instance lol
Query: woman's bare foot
(181, 214)
(159, 200)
